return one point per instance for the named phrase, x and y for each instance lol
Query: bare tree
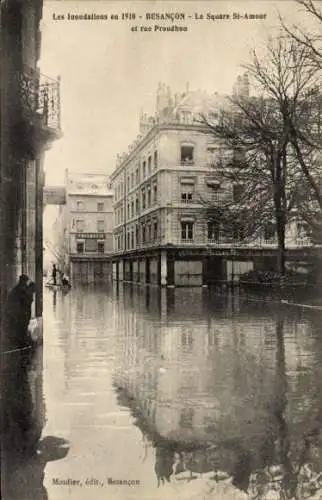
(278, 132)
(294, 83)
(306, 135)
(263, 168)
(311, 41)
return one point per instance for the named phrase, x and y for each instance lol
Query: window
(186, 418)
(238, 156)
(238, 231)
(90, 245)
(186, 117)
(302, 229)
(155, 159)
(100, 226)
(187, 155)
(149, 165)
(137, 235)
(143, 234)
(237, 192)
(132, 208)
(128, 184)
(79, 226)
(143, 170)
(137, 205)
(132, 239)
(128, 239)
(149, 197)
(155, 193)
(80, 206)
(187, 230)
(187, 187)
(269, 231)
(186, 196)
(213, 231)
(155, 230)
(79, 247)
(149, 232)
(143, 199)
(137, 176)
(128, 210)
(132, 180)
(100, 206)
(100, 247)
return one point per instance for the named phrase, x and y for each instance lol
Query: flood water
(181, 393)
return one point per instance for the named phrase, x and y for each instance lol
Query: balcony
(40, 102)
(189, 162)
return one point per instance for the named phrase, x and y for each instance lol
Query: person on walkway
(54, 274)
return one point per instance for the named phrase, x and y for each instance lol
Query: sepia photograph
(161, 249)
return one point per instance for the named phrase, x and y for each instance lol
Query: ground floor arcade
(195, 266)
(90, 270)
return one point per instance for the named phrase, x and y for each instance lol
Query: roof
(89, 184)
(201, 102)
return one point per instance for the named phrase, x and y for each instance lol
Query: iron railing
(40, 97)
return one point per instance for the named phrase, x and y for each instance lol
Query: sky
(110, 73)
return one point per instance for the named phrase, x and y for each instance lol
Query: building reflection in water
(219, 382)
(23, 454)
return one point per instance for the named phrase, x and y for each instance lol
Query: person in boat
(65, 281)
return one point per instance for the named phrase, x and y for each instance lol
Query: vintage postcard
(161, 259)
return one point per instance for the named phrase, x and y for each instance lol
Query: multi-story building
(30, 122)
(83, 230)
(161, 233)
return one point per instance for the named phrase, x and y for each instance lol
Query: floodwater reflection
(223, 383)
(172, 388)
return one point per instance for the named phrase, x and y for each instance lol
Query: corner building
(159, 224)
(161, 188)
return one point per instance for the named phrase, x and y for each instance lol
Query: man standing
(54, 274)
(18, 312)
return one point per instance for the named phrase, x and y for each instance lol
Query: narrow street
(136, 378)
(81, 402)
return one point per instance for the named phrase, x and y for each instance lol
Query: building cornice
(153, 132)
(97, 195)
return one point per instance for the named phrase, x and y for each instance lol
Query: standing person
(54, 274)
(18, 312)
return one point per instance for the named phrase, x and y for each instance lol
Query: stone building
(83, 236)
(30, 122)
(161, 187)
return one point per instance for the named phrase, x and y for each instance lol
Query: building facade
(161, 187)
(30, 122)
(83, 230)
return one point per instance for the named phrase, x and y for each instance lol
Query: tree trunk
(280, 218)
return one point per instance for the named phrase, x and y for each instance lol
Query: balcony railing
(187, 161)
(40, 97)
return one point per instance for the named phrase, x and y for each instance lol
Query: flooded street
(142, 386)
